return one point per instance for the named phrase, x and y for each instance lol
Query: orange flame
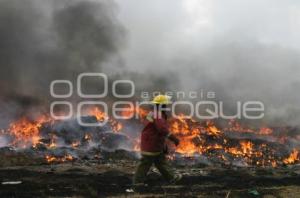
(294, 156)
(51, 159)
(27, 132)
(99, 114)
(102, 116)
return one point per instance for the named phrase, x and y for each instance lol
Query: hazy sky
(168, 27)
(241, 49)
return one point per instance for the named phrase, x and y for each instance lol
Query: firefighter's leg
(164, 168)
(142, 169)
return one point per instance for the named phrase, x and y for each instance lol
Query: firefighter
(153, 147)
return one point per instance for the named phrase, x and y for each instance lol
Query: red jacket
(154, 135)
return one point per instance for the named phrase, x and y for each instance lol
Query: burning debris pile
(234, 144)
(201, 142)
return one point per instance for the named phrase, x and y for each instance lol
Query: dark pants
(145, 164)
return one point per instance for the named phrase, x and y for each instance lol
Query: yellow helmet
(161, 99)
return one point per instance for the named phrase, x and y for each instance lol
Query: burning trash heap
(206, 142)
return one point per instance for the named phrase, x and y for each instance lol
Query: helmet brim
(155, 102)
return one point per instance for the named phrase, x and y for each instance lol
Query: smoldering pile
(235, 144)
(62, 141)
(202, 143)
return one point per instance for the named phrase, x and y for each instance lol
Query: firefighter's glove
(174, 139)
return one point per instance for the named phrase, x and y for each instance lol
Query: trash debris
(253, 192)
(11, 183)
(130, 190)
(227, 195)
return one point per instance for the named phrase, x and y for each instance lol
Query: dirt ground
(113, 179)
